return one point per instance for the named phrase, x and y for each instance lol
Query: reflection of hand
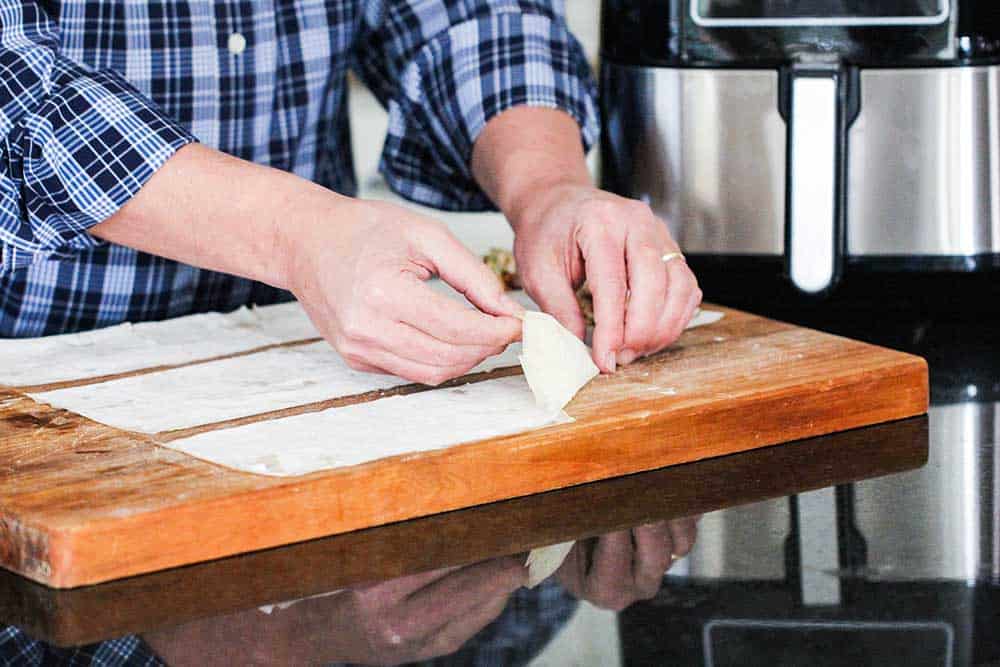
(426, 615)
(407, 619)
(617, 569)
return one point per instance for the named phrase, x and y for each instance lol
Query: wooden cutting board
(82, 503)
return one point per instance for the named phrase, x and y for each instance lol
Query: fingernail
(626, 356)
(610, 362)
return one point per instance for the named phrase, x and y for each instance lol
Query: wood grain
(172, 597)
(83, 503)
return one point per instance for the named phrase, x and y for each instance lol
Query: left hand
(573, 231)
(615, 570)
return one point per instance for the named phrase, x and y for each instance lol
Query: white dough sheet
(283, 377)
(364, 432)
(216, 391)
(130, 347)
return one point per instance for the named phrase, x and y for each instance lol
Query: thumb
(458, 267)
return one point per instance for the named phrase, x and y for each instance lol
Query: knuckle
(682, 547)
(355, 363)
(435, 377)
(642, 336)
(447, 356)
(452, 355)
(358, 599)
(493, 290)
(617, 601)
(637, 209)
(604, 220)
(446, 645)
(386, 634)
(668, 337)
(597, 208)
(607, 598)
(430, 231)
(374, 294)
(685, 542)
(352, 356)
(651, 254)
(354, 330)
(649, 591)
(663, 560)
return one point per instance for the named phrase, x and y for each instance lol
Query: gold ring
(671, 256)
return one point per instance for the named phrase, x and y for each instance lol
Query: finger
(653, 555)
(393, 364)
(553, 291)
(410, 343)
(448, 320)
(447, 599)
(401, 587)
(572, 573)
(610, 582)
(647, 283)
(683, 297)
(456, 633)
(368, 368)
(604, 259)
(466, 273)
(683, 533)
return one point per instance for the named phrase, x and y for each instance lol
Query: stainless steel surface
(938, 523)
(818, 547)
(744, 542)
(812, 181)
(924, 163)
(705, 149)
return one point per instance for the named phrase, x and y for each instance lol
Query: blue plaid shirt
(95, 96)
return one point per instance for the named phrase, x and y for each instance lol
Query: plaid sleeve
(19, 650)
(444, 68)
(75, 144)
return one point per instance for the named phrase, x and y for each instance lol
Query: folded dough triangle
(556, 363)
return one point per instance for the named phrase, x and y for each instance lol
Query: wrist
(532, 205)
(523, 153)
(535, 205)
(315, 227)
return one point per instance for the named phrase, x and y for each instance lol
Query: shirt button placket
(237, 43)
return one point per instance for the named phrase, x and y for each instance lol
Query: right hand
(412, 618)
(362, 283)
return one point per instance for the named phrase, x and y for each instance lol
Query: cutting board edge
(82, 561)
(28, 549)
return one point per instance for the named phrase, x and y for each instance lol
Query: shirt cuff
(74, 160)
(461, 79)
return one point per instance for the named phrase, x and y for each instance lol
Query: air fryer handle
(814, 222)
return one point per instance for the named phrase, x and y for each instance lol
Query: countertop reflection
(443, 578)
